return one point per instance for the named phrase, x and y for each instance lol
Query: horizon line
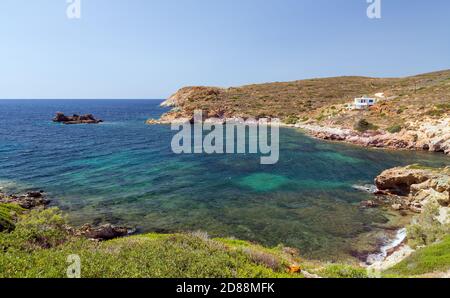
(85, 98)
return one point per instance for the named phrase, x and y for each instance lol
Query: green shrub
(291, 119)
(321, 117)
(36, 229)
(426, 228)
(395, 128)
(363, 125)
(342, 271)
(7, 214)
(443, 106)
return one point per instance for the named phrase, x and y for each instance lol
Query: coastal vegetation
(7, 214)
(41, 241)
(427, 228)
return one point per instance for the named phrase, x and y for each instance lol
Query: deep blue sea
(124, 172)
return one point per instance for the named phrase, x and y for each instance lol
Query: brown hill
(323, 101)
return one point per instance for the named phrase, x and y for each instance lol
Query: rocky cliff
(417, 186)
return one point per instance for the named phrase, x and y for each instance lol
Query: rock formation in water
(76, 119)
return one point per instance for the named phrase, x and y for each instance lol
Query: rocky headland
(412, 113)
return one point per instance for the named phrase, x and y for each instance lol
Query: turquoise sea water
(124, 172)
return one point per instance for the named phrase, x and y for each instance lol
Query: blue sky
(150, 48)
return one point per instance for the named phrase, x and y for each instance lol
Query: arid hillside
(323, 101)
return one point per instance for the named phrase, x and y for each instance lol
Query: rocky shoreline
(431, 135)
(405, 189)
(428, 135)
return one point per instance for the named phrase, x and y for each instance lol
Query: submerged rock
(76, 119)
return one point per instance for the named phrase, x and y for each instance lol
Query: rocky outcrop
(424, 134)
(187, 94)
(76, 119)
(28, 201)
(104, 232)
(416, 186)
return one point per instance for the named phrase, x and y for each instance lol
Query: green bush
(7, 214)
(291, 120)
(363, 125)
(320, 117)
(443, 106)
(36, 229)
(395, 128)
(342, 271)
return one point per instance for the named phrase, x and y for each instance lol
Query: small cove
(124, 172)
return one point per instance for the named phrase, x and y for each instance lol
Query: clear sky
(150, 48)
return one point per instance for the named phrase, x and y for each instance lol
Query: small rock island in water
(76, 119)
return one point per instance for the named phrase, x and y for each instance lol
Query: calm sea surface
(124, 172)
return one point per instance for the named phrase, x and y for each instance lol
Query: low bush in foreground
(41, 242)
(40, 245)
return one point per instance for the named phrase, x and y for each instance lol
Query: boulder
(416, 187)
(104, 232)
(399, 180)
